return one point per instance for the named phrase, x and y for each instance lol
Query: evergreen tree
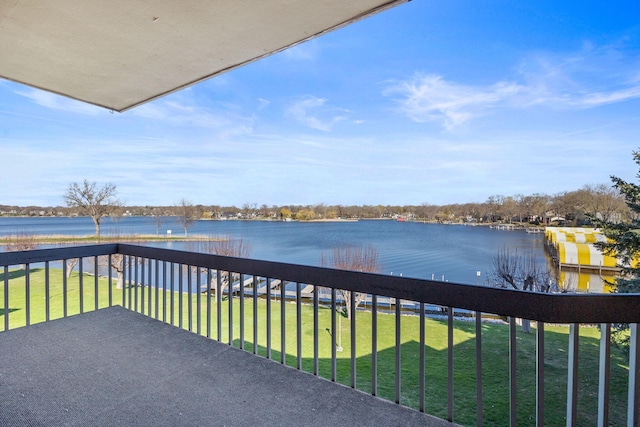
(623, 242)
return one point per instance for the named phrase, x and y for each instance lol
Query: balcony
(175, 346)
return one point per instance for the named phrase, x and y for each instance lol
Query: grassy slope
(494, 358)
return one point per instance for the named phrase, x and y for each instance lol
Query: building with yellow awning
(575, 247)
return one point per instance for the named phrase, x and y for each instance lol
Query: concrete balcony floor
(114, 367)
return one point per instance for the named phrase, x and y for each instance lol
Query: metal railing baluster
(333, 334)
(172, 293)
(81, 284)
(219, 304)
(47, 292)
(572, 380)
(479, 404)
(189, 298)
(136, 283)
(27, 297)
(374, 345)
(141, 283)
(164, 291)
(352, 333)
(6, 297)
(398, 351)
(129, 285)
(149, 285)
(540, 351)
(283, 332)
(513, 374)
(268, 318)
(230, 300)
(198, 291)
(315, 330)
(633, 398)
(64, 288)
(124, 290)
(450, 364)
(180, 292)
(604, 369)
(241, 294)
(422, 368)
(208, 303)
(156, 264)
(255, 315)
(95, 283)
(110, 279)
(298, 326)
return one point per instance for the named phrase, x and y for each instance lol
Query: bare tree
(119, 263)
(227, 246)
(354, 258)
(21, 242)
(92, 201)
(158, 219)
(187, 215)
(71, 264)
(523, 272)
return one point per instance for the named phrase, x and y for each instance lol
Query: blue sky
(430, 102)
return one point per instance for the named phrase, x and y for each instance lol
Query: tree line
(569, 208)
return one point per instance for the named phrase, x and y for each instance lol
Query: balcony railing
(452, 350)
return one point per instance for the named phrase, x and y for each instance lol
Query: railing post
(633, 412)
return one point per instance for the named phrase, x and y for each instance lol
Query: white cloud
(306, 51)
(588, 78)
(58, 102)
(427, 98)
(314, 113)
(226, 120)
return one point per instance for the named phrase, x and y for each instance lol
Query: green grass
(495, 344)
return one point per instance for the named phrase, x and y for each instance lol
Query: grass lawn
(495, 344)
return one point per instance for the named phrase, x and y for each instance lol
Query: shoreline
(67, 238)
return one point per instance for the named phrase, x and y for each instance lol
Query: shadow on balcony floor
(116, 367)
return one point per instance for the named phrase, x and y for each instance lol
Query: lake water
(453, 253)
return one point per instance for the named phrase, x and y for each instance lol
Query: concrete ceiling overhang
(119, 54)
